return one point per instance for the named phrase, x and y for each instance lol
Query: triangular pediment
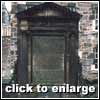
(48, 9)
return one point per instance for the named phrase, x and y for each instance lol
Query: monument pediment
(48, 9)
